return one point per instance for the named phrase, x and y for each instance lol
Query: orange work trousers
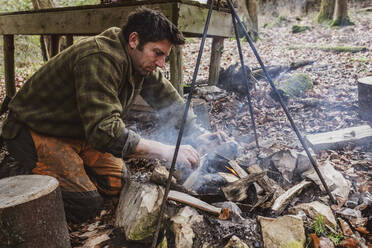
(83, 173)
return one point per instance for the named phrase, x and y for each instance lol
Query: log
(365, 98)
(32, 213)
(237, 191)
(190, 181)
(196, 203)
(338, 139)
(239, 170)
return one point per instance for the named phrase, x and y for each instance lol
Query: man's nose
(160, 62)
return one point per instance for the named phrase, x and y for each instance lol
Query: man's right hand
(187, 155)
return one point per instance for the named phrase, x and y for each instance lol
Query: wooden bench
(188, 16)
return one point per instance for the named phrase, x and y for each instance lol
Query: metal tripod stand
(236, 20)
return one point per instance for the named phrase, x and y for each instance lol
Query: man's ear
(133, 40)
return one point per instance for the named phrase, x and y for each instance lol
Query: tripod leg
(294, 127)
(245, 75)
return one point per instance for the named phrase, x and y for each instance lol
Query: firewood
(190, 181)
(239, 170)
(338, 139)
(196, 203)
(365, 98)
(237, 191)
(32, 213)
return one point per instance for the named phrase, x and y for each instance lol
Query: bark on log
(32, 213)
(365, 98)
(237, 191)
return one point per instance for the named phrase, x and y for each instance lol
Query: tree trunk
(32, 213)
(45, 40)
(365, 98)
(340, 17)
(247, 11)
(327, 8)
(252, 7)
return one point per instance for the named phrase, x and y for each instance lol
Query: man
(66, 120)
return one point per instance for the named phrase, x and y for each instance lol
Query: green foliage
(320, 230)
(15, 5)
(299, 28)
(319, 226)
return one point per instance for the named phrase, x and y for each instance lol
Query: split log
(138, 210)
(32, 213)
(237, 191)
(365, 98)
(190, 181)
(268, 185)
(282, 201)
(239, 170)
(228, 177)
(338, 139)
(196, 203)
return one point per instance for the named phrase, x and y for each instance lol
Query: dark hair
(152, 26)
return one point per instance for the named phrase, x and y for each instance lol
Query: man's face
(152, 55)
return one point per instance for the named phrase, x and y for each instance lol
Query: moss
(333, 49)
(268, 25)
(292, 244)
(341, 22)
(145, 227)
(299, 28)
(295, 85)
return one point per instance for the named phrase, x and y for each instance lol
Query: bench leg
(176, 69)
(214, 68)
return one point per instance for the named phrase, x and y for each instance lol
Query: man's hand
(187, 155)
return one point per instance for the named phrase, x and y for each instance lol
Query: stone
(138, 210)
(235, 242)
(313, 209)
(182, 226)
(285, 199)
(285, 162)
(337, 184)
(303, 162)
(285, 231)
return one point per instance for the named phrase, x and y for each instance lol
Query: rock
(235, 242)
(285, 231)
(235, 212)
(285, 162)
(337, 184)
(303, 163)
(182, 226)
(283, 200)
(313, 209)
(138, 210)
(293, 86)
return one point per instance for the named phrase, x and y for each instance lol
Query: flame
(232, 170)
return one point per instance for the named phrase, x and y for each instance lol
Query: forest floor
(330, 105)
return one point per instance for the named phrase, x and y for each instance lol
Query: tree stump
(32, 213)
(365, 98)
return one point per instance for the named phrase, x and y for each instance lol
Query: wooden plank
(9, 65)
(72, 21)
(192, 20)
(85, 21)
(338, 139)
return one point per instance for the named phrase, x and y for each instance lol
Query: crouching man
(66, 120)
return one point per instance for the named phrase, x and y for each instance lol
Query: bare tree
(340, 16)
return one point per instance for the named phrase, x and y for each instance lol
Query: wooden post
(55, 45)
(9, 65)
(214, 68)
(176, 68)
(365, 98)
(32, 213)
(69, 40)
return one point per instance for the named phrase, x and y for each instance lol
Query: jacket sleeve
(97, 79)
(162, 96)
